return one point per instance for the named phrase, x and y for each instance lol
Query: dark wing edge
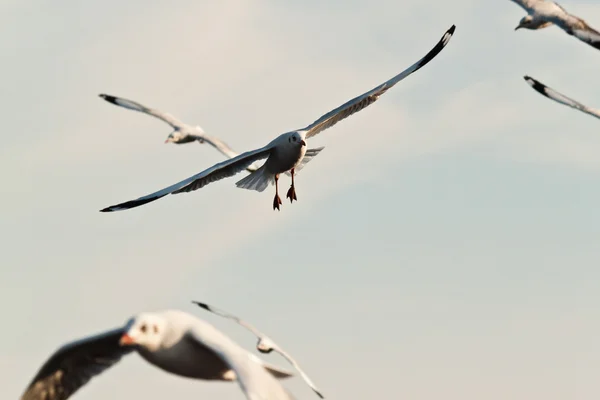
(366, 99)
(217, 172)
(70, 367)
(588, 35)
(135, 106)
(558, 97)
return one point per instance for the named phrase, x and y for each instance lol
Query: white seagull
(560, 98)
(284, 153)
(265, 344)
(171, 340)
(543, 13)
(184, 133)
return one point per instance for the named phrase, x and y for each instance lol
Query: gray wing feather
(560, 98)
(262, 336)
(588, 35)
(74, 364)
(132, 105)
(368, 98)
(217, 172)
(527, 5)
(254, 380)
(221, 147)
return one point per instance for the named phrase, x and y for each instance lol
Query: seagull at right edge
(543, 13)
(265, 344)
(559, 97)
(284, 153)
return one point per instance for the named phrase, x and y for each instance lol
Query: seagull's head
(264, 346)
(174, 137)
(528, 22)
(296, 138)
(145, 330)
(524, 22)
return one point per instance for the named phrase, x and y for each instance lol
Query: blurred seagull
(543, 13)
(265, 344)
(171, 340)
(560, 98)
(184, 133)
(284, 153)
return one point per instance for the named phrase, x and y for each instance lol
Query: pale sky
(445, 242)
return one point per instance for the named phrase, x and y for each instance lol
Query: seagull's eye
(294, 138)
(155, 328)
(143, 328)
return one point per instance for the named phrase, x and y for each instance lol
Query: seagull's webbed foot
(291, 194)
(276, 202)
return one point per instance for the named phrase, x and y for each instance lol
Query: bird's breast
(285, 157)
(188, 360)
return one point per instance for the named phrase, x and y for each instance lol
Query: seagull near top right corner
(559, 97)
(543, 13)
(265, 344)
(285, 153)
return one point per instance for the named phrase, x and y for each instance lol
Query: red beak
(303, 143)
(167, 141)
(126, 340)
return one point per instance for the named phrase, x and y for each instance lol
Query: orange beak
(303, 143)
(126, 340)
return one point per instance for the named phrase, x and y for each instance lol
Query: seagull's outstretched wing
(265, 338)
(560, 98)
(220, 146)
(132, 105)
(586, 34)
(368, 98)
(217, 172)
(74, 364)
(254, 380)
(217, 144)
(527, 5)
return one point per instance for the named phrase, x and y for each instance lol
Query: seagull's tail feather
(258, 180)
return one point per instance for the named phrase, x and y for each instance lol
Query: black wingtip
(132, 204)
(109, 98)
(205, 306)
(437, 49)
(535, 84)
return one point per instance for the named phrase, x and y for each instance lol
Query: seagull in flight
(265, 344)
(543, 13)
(286, 152)
(184, 133)
(560, 98)
(172, 340)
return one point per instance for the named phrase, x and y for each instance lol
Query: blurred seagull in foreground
(286, 152)
(560, 98)
(184, 133)
(543, 13)
(265, 344)
(171, 340)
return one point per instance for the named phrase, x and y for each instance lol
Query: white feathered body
(287, 152)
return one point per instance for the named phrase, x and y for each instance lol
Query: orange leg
(277, 199)
(291, 194)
